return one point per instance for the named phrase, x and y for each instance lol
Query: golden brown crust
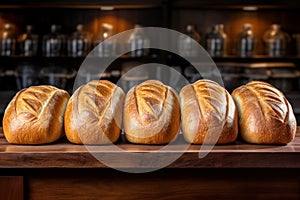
(94, 113)
(151, 113)
(265, 115)
(35, 115)
(208, 113)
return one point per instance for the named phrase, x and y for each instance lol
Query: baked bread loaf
(151, 113)
(208, 114)
(94, 113)
(35, 115)
(265, 115)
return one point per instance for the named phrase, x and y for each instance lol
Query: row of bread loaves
(151, 113)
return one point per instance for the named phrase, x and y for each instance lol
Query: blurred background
(45, 42)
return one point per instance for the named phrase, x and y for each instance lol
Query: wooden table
(237, 171)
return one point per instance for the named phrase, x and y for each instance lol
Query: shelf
(253, 59)
(258, 58)
(232, 61)
(155, 58)
(234, 4)
(63, 154)
(70, 58)
(11, 62)
(81, 4)
(119, 4)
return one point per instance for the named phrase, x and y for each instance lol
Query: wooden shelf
(253, 59)
(63, 154)
(231, 170)
(234, 4)
(80, 4)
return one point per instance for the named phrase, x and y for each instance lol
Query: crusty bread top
(269, 101)
(212, 98)
(207, 109)
(151, 113)
(93, 114)
(265, 115)
(35, 115)
(32, 102)
(151, 99)
(150, 104)
(94, 97)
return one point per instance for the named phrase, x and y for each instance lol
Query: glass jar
(107, 48)
(56, 75)
(26, 75)
(246, 41)
(53, 43)
(216, 41)
(132, 74)
(8, 40)
(186, 43)
(296, 37)
(28, 42)
(79, 43)
(138, 43)
(276, 41)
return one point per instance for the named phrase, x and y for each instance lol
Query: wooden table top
(63, 154)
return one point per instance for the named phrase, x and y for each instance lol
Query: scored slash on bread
(94, 113)
(270, 99)
(208, 114)
(151, 113)
(35, 115)
(265, 115)
(95, 97)
(150, 97)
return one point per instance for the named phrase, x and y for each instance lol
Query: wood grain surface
(63, 154)
(11, 187)
(66, 171)
(165, 184)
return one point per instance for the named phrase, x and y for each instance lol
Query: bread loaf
(208, 113)
(35, 115)
(151, 113)
(265, 115)
(94, 113)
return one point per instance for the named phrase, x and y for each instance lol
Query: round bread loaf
(94, 113)
(35, 115)
(208, 114)
(265, 115)
(151, 113)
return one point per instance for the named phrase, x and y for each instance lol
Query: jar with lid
(216, 41)
(276, 41)
(107, 48)
(138, 43)
(187, 42)
(79, 42)
(28, 42)
(53, 43)
(8, 40)
(246, 41)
